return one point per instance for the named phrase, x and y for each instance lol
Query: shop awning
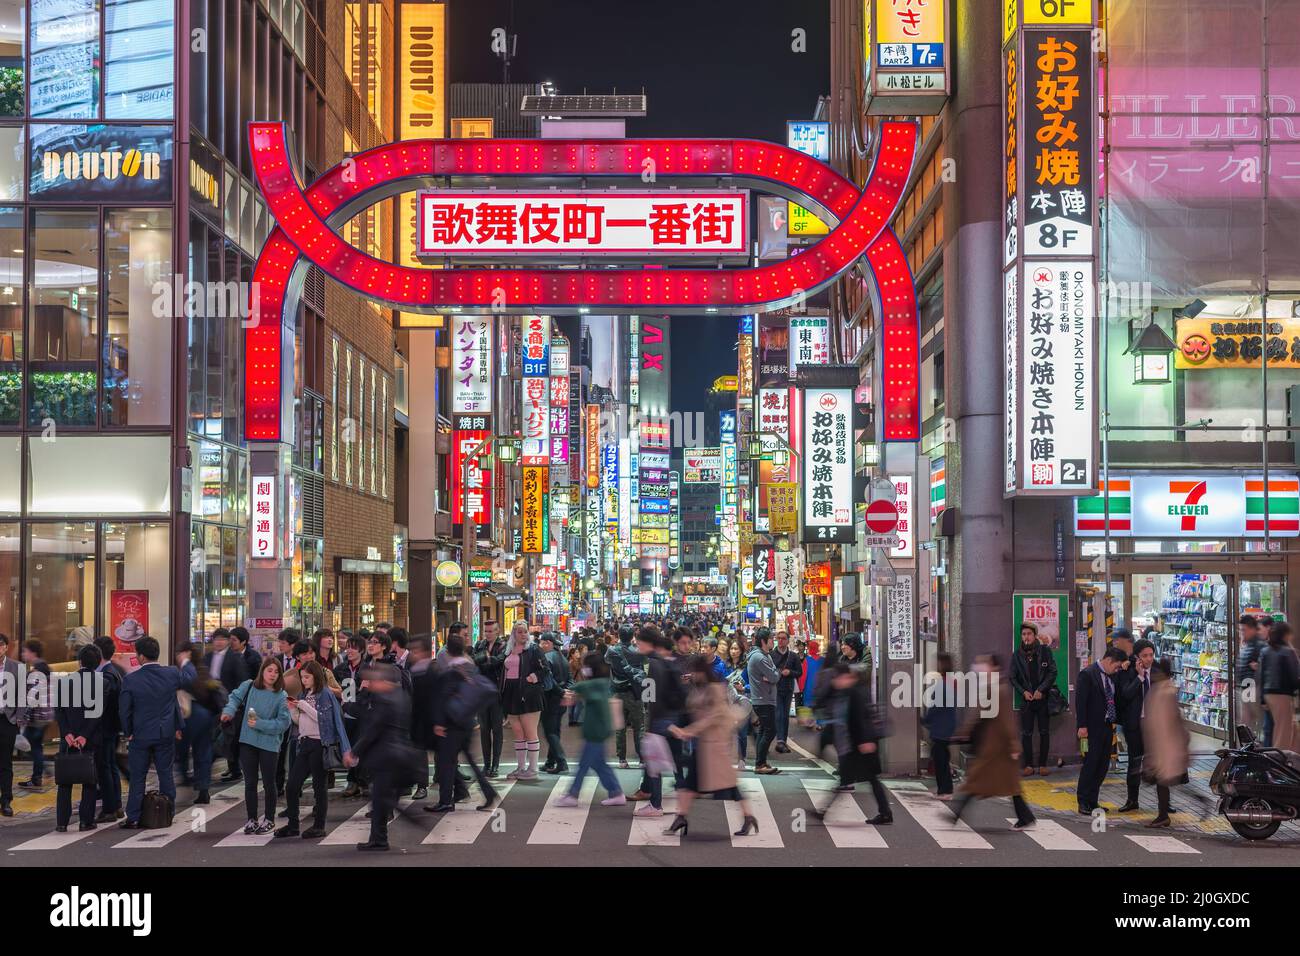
(505, 592)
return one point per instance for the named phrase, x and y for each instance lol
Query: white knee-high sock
(534, 750)
(521, 756)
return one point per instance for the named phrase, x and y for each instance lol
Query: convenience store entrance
(1190, 613)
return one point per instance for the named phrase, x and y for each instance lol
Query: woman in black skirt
(521, 667)
(711, 764)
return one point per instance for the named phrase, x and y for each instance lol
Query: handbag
(74, 767)
(1055, 701)
(156, 811)
(656, 757)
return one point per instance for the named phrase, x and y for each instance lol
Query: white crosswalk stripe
(563, 826)
(843, 817)
(57, 841)
(185, 821)
(356, 828)
(1162, 844)
(935, 818)
(649, 831)
(1050, 835)
(461, 827)
(768, 836)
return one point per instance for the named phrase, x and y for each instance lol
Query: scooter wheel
(1253, 831)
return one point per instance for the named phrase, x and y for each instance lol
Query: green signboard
(1050, 613)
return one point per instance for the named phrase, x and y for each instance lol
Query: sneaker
(266, 826)
(568, 800)
(516, 773)
(623, 765)
(29, 784)
(250, 827)
(421, 793)
(617, 800)
(648, 810)
(491, 772)
(526, 775)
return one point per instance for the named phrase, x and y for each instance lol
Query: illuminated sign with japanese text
(262, 510)
(682, 222)
(828, 465)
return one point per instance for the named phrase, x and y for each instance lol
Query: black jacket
(626, 668)
(861, 728)
(1248, 654)
(234, 669)
(1090, 705)
(669, 698)
(1279, 670)
(384, 744)
(559, 668)
(111, 722)
(531, 661)
(78, 722)
(1128, 696)
(790, 659)
(485, 658)
(424, 689)
(1021, 680)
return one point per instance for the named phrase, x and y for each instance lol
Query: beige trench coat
(714, 721)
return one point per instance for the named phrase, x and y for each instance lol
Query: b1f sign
(262, 504)
(578, 222)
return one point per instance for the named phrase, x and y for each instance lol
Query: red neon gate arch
(305, 234)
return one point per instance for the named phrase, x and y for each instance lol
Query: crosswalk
(808, 804)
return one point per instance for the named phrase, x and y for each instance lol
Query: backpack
(156, 811)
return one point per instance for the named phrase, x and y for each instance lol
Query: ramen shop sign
(676, 222)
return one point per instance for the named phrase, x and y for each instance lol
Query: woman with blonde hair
(521, 666)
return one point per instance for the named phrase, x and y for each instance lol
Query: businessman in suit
(1096, 713)
(151, 720)
(11, 695)
(227, 665)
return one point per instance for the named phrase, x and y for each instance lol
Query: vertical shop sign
(535, 535)
(898, 613)
(828, 465)
(535, 354)
(471, 359)
(262, 508)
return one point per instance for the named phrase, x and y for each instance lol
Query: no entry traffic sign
(882, 516)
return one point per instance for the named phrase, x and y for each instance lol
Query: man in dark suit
(384, 747)
(227, 665)
(1096, 713)
(1128, 706)
(8, 726)
(239, 643)
(110, 775)
(151, 720)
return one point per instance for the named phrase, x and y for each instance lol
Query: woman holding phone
(265, 720)
(318, 720)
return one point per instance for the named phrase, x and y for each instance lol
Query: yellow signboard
(1010, 19)
(472, 128)
(725, 383)
(422, 114)
(783, 507)
(537, 482)
(910, 21)
(1057, 13)
(804, 223)
(1236, 343)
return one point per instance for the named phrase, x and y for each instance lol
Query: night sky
(707, 67)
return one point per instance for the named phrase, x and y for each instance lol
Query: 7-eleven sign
(1191, 506)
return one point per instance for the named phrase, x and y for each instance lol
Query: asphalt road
(528, 830)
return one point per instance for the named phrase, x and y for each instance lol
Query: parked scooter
(1259, 786)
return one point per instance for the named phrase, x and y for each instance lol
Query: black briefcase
(74, 767)
(156, 811)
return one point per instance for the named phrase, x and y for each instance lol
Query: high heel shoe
(744, 830)
(679, 823)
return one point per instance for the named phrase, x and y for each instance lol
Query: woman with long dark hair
(318, 718)
(265, 720)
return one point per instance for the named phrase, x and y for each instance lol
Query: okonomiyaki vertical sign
(828, 464)
(1049, 282)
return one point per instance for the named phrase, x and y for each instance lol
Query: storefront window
(64, 306)
(13, 36)
(60, 586)
(137, 343)
(11, 314)
(10, 573)
(65, 59)
(11, 465)
(99, 475)
(138, 80)
(13, 149)
(137, 581)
